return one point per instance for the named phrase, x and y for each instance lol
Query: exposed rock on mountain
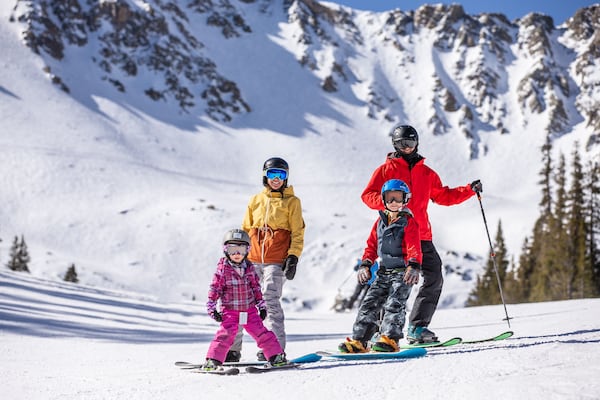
(479, 64)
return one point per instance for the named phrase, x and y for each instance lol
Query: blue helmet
(396, 185)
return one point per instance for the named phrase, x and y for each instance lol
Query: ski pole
(346, 280)
(493, 256)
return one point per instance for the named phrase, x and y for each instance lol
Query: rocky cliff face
(125, 41)
(480, 64)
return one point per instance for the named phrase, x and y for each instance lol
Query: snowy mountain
(133, 133)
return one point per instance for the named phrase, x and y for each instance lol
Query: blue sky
(559, 10)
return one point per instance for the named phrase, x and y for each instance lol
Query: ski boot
(386, 344)
(420, 334)
(352, 346)
(260, 356)
(278, 360)
(212, 365)
(233, 356)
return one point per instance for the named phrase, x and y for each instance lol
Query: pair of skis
(252, 367)
(413, 350)
(457, 340)
(407, 351)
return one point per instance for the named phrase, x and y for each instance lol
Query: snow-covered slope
(64, 341)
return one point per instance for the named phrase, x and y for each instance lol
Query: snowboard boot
(212, 365)
(278, 360)
(233, 356)
(420, 334)
(386, 344)
(352, 346)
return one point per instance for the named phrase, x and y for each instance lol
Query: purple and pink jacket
(237, 293)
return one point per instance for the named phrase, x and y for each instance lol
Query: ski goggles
(236, 248)
(406, 143)
(390, 199)
(274, 173)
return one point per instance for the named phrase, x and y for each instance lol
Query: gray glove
(364, 272)
(411, 276)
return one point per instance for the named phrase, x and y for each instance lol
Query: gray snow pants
(271, 281)
(390, 291)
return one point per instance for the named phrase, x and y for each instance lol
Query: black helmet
(404, 136)
(275, 163)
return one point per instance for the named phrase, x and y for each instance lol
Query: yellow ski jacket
(275, 225)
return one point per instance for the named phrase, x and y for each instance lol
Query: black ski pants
(429, 293)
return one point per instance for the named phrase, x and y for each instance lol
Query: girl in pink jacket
(236, 284)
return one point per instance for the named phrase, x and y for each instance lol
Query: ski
(502, 336)
(244, 363)
(450, 342)
(455, 341)
(270, 368)
(376, 355)
(219, 371)
(187, 365)
(306, 358)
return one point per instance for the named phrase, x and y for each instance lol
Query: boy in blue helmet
(395, 240)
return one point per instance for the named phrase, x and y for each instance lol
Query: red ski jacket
(424, 184)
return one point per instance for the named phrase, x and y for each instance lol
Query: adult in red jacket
(425, 184)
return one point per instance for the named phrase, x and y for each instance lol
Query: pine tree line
(561, 258)
(19, 260)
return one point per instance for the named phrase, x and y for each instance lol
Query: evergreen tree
(555, 257)
(24, 255)
(582, 280)
(540, 241)
(71, 275)
(486, 290)
(19, 256)
(561, 260)
(13, 261)
(524, 272)
(593, 223)
(546, 180)
(511, 285)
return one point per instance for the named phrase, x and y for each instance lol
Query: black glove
(211, 308)
(364, 272)
(216, 316)
(263, 313)
(477, 186)
(289, 266)
(411, 276)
